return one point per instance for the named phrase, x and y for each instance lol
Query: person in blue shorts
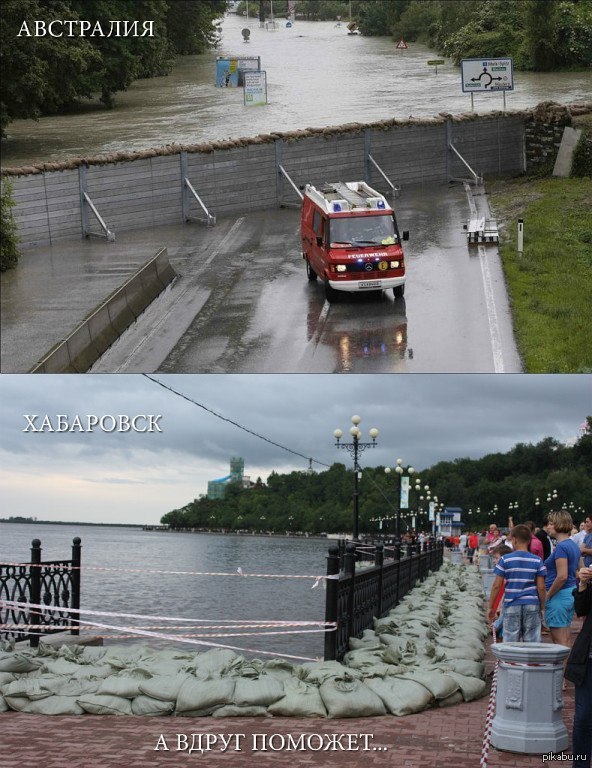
(562, 566)
(524, 596)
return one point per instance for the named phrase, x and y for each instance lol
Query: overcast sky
(136, 478)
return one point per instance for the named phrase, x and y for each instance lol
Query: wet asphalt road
(243, 303)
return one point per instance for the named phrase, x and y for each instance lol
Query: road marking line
(222, 242)
(167, 314)
(494, 331)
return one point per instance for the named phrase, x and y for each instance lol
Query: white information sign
(431, 512)
(255, 88)
(485, 75)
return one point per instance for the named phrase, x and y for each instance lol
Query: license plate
(369, 284)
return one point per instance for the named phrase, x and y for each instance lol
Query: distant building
(217, 488)
(450, 522)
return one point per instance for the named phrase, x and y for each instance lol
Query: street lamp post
(355, 448)
(400, 470)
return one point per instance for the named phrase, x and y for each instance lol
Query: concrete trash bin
(529, 698)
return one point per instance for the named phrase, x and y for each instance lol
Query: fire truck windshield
(363, 230)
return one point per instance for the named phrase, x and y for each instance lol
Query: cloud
(422, 419)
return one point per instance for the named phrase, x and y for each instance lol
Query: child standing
(524, 599)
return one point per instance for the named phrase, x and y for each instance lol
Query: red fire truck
(350, 239)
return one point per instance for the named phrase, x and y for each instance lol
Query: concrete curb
(95, 334)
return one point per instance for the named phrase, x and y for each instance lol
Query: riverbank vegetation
(540, 35)
(550, 284)
(9, 252)
(322, 502)
(48, 74)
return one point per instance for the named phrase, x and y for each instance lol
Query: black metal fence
(358, 596)
(53, 583)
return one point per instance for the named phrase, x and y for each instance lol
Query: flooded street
(317, 75)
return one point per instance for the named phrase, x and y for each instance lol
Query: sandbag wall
(135, 190)
(426, 652)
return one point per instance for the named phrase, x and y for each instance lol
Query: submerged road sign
(484, 75)
(401, 45)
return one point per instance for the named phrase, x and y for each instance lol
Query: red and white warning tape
(15, 605)
(490, 712)
(239, 572)
(136, 631)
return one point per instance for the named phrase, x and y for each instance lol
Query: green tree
(42, 74)
(9, 253)
(190, 27)
(540, 33)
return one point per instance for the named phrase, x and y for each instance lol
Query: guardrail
(49, 582)
(94, 335)
(359, 596)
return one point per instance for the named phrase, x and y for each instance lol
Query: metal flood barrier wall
(89, 340)
(47, 582)
(358, 597)
(146, 188)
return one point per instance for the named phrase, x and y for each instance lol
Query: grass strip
(550, 285)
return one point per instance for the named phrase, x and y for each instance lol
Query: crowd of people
(542, 577)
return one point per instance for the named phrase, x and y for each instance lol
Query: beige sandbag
(18, 662)
(5, 678)
(318, 672)
(454, 698)
(401, 697)
(350, 698)
(232, 710)
(164, 688)
(471, 688)
(121, 685)
(201, 697)
(439, 684)
(101, 704)
(146, 705)
(260, 692)
(300, 700)
(54, 705)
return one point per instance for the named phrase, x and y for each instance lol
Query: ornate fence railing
(359, 595)
(54, 583)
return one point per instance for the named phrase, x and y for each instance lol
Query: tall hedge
(8, 234)
(581, 164)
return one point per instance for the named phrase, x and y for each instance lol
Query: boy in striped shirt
(524, 598)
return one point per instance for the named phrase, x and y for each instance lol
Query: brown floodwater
(317, 75)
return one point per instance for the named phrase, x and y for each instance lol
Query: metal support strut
(394, 190)
(281, 175)
(189, 191)
(87, 204)
(475, 178)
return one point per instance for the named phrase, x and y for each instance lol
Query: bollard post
(331, 603)
(35, 590)
(379, 563)
(520, 236)
(350, 570)
(529, 700)
(76, 560)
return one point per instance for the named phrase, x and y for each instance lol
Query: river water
(317, 74)
(214, 598)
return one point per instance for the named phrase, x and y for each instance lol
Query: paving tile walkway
(437, 738)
